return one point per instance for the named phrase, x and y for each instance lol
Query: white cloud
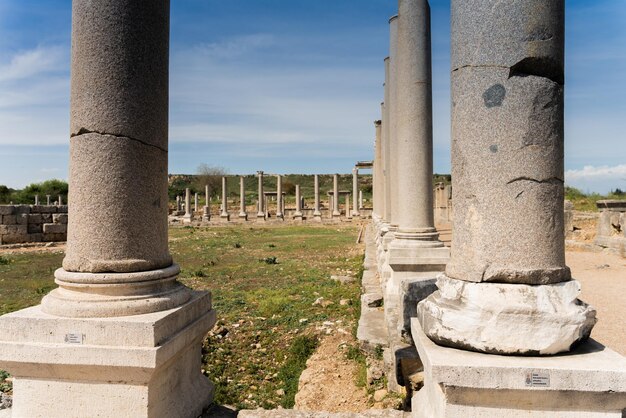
(34, 104)
(600, 179)
(27, 64)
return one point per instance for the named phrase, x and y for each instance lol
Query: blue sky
(292, 86)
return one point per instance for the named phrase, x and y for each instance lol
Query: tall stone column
(36, 199)
(48, 199)
(415, 256)
(355, 192)
(336, 211)
(386, 157)
(206, 215)
(224, 215)
(279, 197)
(119, 327)
(188, 214)
(507, 270)
(360, 199)
(317, 214)
(298, 214)
(393, 168)
(195, 202)
(242, 199)
(60, 200)
(377, 174)
(347, 204)
(261, 197)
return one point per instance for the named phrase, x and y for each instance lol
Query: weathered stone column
(347, 204)
(415, 256)
(242, 199)
(195, 203)
(360, 199)
(60, 200)
(36, 199)
(224, 215)
(261, 197)
(48, 199)
(317, 214)
(386, 157)
(377, 176)
(206, 215)
(355, 192)
(119, 327)
(336, 211)
(298, 214)
(507, 270)
(393, 169)
(279, 197)
(188, 214)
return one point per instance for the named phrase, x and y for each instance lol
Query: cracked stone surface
(123, 92)
(105, 234)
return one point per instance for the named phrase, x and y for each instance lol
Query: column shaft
(336, 211)
(279, 197)
(507, 270)
(316, 187)
(261, 200)
(413, 124)
(393, 168)
(355, 191)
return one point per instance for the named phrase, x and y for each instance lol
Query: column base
(225, 217)
(503, 318)
(243, 216)
(187, 219)
(139, 366)
(588, 382)
(90, 295)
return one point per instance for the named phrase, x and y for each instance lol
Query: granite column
(118, 303)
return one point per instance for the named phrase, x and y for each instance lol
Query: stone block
(413, 291)
(22, 219)
(7, 210)
(135, 366)
(35, 237)
(34, 218)
(9, 219)
(13, 229)
(34, 228)
(59, 218)
(62, 209)
(15, 238)
(54, 237)
(590, 381)
(46, 218)
(43, 209)
(54, 229)
(22, 209)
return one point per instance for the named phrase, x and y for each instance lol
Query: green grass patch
(266, 317)
(301, 349)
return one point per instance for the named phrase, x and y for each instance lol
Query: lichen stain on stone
(494, 95)
(493, 148)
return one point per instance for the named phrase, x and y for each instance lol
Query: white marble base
(135, 366)
(589, 382)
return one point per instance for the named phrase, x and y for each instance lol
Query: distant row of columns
(352, 205)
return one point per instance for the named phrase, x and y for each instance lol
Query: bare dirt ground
(602, 276)
(329, 381)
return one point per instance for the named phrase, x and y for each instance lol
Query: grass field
(264, 283)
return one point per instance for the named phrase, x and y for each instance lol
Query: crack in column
(552, 180)
(83, 131)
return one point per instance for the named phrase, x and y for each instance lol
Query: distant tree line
(26, 196)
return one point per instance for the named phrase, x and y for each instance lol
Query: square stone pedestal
(135, 366)
(412, 275)
(588, 382)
